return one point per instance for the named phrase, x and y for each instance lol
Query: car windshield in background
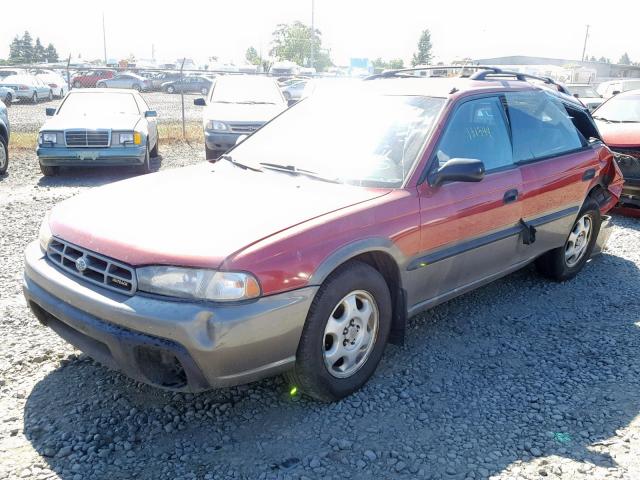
(103, 103)
(623, 109)
(584, 91)
(368, 140)
(245, 90)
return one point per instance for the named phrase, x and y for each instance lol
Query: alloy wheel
(578, 241)
(350, 334)
(3, 158)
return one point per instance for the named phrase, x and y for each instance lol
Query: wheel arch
(385, 257)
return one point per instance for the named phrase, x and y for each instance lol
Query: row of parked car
(31, 85)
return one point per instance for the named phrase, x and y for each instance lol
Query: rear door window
(540, 126)
(477, 130)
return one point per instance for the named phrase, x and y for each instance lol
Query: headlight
(197, 283)
(215, 125)
(133, 137)
(48, 138)
(44, 235)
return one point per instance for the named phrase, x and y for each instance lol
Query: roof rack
(484, 73)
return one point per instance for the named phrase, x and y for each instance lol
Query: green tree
(39, 54)
(624, 59)
(396, 63)
(51, 55)
(252, 56)
(423, 55)
(298, 43)
(15, 50)
(26, 48)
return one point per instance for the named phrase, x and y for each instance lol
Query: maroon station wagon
(305, 248)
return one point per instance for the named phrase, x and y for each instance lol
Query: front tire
(50, 97)
(34, 98)
(171, 89)
(564, 263)
(4, 156)
(101, 85)
(8, 100)
(345, 333)
(49, 171)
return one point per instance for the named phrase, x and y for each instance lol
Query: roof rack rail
(400, 72)
(518, 76)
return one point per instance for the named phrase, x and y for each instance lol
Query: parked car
(308, 246)
(8, 71)
(5, 133)
(618, 120)
(189, 84)
(586, 93)
(613, 87)
(7, 95)
(238, 105)
(91, 78)
(28, 88)
(160, 78)
(56, 82)
(294, 91)
(126, 80)
(99, 127)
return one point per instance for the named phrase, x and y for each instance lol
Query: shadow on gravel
(87, 177)
(517, 370)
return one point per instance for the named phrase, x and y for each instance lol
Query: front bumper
(220, 141)
(630, 193)
(190, 346)
(86, 157)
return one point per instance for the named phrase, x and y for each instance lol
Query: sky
(350, 28)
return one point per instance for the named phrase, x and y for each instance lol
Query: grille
(92, 267)
(245, 127)
(87, 138)
(629, 162)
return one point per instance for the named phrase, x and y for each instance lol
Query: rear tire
(34, 98)
(148, 165)
(4, 156)
(341, 346)
(136, 87)
(8, 100)
(564, 263)
(170, 89)
(77, 84)
(50, 97)
(212, 154)
(49, 171)
(101, 85)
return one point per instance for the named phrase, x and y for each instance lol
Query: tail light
(23, 87)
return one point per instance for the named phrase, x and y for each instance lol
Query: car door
(557, 164)
(469, 231)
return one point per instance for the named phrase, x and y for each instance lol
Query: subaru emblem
(81, 264)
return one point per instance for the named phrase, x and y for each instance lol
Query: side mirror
(615, 92)
(577, 95)
(458, 170)
(200, 102)
(50, 111)
(240, 139)
(291, 102)
(150, 114)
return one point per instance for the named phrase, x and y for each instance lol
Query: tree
(26, 48)
(297, 43)
(51, 55)
(423, 55)
(593, 59)
(604, 60)
(396, 63)
(252, 56)
(39, 54)
(624, 59)
(15, 49)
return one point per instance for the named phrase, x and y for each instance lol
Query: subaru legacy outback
(305, 248)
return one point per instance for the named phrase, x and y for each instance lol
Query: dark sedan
(191, 84)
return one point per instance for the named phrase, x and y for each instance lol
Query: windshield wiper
(297, 171)
(605, 120)
(230, 159)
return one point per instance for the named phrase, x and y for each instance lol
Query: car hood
(620, 134)
(195, 216)
(240, 112)
(92, 122)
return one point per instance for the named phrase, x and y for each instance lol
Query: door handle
(510, 196)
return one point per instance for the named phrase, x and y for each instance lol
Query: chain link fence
(168, 91)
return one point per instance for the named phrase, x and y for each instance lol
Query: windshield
(585, 91)
(246, 89)
(620, 109)
(359, 139)
(99, 103)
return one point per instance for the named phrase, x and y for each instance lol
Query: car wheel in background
(4, 156)
(101, 85)
(171, 89)
(345, 333)
(147, 166)
(287, 96)
(50, 97)
(566, 262)
(136, 87)
(8, 100)
(49, 171)
(34, 97)
(212, 154)
(77, 84)
(204, 90)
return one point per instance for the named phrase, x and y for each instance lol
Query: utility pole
(584, 48)
(313, 33)
(104, 40)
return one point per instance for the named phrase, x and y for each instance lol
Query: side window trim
(433, 160)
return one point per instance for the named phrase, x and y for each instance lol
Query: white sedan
(56, 82)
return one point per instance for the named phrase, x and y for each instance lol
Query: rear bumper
(86, 157)
(190, 346)
(220, 141)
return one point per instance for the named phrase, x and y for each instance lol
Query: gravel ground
(28, 117)
(522, 379)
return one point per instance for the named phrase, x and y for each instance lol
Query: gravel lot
(522, 379)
